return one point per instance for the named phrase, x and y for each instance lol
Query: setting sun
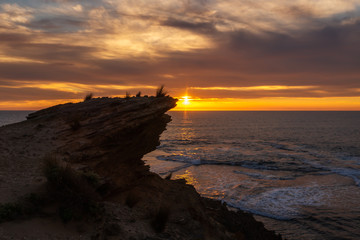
(185, 100)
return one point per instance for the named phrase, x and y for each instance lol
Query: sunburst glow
(185, 100)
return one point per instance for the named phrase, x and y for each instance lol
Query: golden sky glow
(185, 100)
(223, 55)
(271, 104)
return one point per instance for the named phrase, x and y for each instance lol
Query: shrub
(27, 205)
(138, 94)
(127, 95)
(10, 211)
(88, 97)
(73, 193)
(33, 203)
(92, 178)
(76, 197)
(160, 92)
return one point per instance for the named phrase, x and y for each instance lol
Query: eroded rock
(108, 138)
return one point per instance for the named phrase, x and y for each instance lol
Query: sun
(185, 100)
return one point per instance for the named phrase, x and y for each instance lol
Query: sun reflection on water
(186, 131)
(189, 177)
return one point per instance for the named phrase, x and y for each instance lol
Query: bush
(92, 178)
(88, 97)
(27, 205)
(10, 211)
(76, 197)
(74, 194)
(160, 92)
(138, 94)
(127, 95)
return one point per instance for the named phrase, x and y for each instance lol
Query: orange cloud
(266, 88)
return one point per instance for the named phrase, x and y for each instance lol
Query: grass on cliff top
(160, 92)
(88, 97)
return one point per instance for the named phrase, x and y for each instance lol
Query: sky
(222, 54)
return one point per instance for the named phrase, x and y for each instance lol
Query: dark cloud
(59, 24)
(44, 72)
(325, 57)
(22, 45)
(199, 27)
(124, 67)
(27, 93)
(327, 41)
(13, 38)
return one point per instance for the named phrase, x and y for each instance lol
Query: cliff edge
(74, 171)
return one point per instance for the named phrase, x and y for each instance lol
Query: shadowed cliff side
(111, 135)
(108, 138)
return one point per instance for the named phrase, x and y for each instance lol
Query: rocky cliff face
(108, 137)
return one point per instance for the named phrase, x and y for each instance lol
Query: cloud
(203, 44)
(56, 24)
(26, 93)
(199, 27)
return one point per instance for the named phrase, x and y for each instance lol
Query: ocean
(297, 172)
(8, 117)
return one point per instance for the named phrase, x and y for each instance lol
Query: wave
(282, 203)
(264, 177)
(343, 171)
(296, 158)
(194, 159)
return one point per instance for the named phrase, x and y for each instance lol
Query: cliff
(103, 140)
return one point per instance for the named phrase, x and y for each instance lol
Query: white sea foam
(283, 203)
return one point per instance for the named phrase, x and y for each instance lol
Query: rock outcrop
(108, 137)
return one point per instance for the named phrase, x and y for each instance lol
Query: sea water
(298, 172)
(8, 117)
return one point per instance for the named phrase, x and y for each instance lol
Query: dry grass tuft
(160, 92)
(88, 97)
(127, 95)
